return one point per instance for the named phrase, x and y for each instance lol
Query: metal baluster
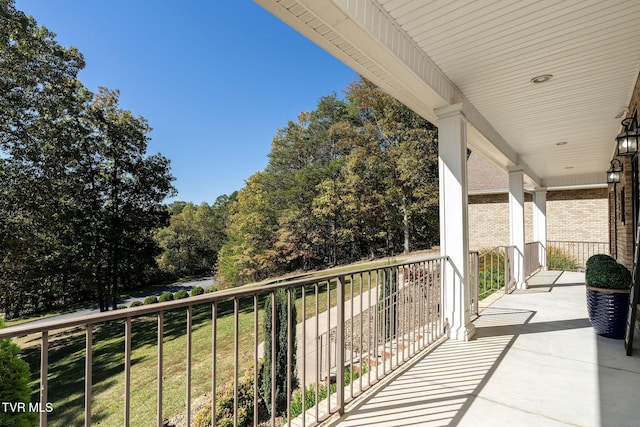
(44, 376)
(214, 335)
(159, 419)
(88, 374)
(127, 371)
(188, 374)
(255, 360)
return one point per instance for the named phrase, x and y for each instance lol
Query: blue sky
(215, 79)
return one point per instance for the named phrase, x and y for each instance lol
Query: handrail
(392, 326)
(225, 294)
(573, 253)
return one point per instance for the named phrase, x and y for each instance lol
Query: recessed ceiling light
(542, 78)
(562, 143)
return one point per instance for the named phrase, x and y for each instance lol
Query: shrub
(14, 384)
(599, 259)
(281, 324)
(310, 391)
(388, 304)
(166, 296)
(121, 306)
(211, 289)
(150, 300)
(224, 405)
(197, 291)
(181, 294)
(559, 259)
(605, 272)
(135, 304)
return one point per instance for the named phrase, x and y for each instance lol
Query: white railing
(369, 321)
(533, 258)
(491, 270)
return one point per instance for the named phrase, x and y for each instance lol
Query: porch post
(454, 219)
(516, 223)
(540, 222)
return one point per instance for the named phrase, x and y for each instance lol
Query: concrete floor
(534, 362)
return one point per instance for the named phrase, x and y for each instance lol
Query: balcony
(535, 361)
(375, 339)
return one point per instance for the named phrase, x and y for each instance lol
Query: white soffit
(433, 53)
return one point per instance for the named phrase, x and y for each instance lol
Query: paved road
(203, 282)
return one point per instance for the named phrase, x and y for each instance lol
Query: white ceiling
(483, 53)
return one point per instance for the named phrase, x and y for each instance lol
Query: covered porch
(535, 361)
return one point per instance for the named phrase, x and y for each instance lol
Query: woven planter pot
(608, 311)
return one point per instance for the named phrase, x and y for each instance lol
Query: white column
(516, 223)
(454, 219)
(540, 222)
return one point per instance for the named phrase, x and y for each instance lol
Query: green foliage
(166, 296)
(599, 259)
(197, 291)
(224, 405)
(559, 259)
(605, 272)
(181, 294)
(310, 391)
(388, 305)
(280, 326)
(491, 271)
(211, 289)
(152, 299)
(136, 304)
(191, 242)
(14, 385)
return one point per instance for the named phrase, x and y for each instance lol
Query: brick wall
(620, 203)
(577, 215)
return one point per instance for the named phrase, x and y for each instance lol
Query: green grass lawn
(67, 357)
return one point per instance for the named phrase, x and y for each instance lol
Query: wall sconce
(613, 174)
(628, 138)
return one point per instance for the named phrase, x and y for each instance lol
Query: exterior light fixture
(614, 172)
(628, 139)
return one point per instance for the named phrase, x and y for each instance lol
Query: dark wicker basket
(608, 311)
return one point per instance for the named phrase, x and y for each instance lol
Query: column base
(463, 333)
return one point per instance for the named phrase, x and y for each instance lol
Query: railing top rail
(577, 241)
(223, 295)
(497, 248)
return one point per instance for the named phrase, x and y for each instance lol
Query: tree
(127, 189)
(409, 159)
(41, 110)
(79, 198)
(280, 326)
(354, 178)
(248, 253)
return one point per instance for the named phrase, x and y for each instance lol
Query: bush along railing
(334, 336)
(572, 255)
